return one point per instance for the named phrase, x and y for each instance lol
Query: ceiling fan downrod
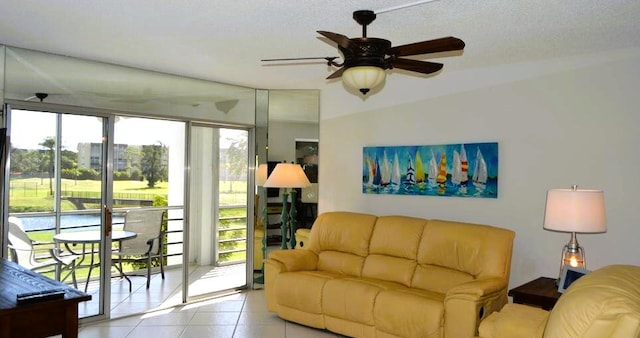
(42, 96)
(364, 18)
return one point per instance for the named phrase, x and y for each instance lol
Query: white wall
(561, 122)
(282, 138)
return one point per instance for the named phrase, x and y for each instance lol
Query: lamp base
(572, 256)
(293, 219)
(284, 218)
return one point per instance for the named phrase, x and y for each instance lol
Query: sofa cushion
(397, 236)
(353, 299)
(515, 320)
(342, 231)
(409, 313)
(340, 262)
(303, 290)
(341, 240)
(393, 248)
(389, 268)
(438, 279)
(479, 250)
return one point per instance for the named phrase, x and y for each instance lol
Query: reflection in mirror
(2, 48)
(293, 116)
(84, 83)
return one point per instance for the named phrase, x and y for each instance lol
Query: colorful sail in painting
(456, 169)
(442, 175)
(433, 170)
(371, 170)
(460, 173)
(385, 175)
(395, 172)
(376, 177)
(410, 178)
(442, 172)
(464, 165)
(419, 169)
(480, 172)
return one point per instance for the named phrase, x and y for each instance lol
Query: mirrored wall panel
(37, 76)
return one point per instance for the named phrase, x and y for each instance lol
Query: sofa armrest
(477, 289)
(294, 260)
(280, 261)
(475, 299)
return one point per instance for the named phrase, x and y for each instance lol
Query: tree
(132, 155)
(236, 159)
(23, 161)
(49, 144)
(152, 166)
(68, 159)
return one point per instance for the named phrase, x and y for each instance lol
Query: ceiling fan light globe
(363, 78)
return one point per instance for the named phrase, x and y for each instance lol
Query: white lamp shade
(261, 175)
(287, 175)
(579, 210)
(363, 77)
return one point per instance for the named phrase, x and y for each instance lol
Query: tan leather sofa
(391, 276)
(604, 303)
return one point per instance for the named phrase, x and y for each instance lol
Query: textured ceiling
(225, 40)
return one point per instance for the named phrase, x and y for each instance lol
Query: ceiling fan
(366, 59)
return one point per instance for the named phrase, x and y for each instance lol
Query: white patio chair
(146, 246)
(22, 251)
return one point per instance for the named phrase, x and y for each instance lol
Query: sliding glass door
(75, 175)
(58, 183)
(149, 174)
(219, 210)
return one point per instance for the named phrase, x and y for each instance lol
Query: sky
(28, 129)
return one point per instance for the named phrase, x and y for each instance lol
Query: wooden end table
(542, 292)
(38, 319)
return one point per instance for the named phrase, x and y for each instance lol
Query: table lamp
(288, 175)
(574, 210)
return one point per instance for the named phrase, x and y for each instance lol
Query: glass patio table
(88, 239)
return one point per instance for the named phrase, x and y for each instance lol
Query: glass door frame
(108, 121)
(109, 118)
(250, 205)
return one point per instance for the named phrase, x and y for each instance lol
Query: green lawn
(33, 194)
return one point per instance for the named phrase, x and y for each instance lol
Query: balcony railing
(231, 244)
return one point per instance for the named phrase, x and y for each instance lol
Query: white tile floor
(241, 315)
(162, 293)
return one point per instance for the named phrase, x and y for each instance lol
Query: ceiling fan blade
(425, 47)
(328, 58)
(340, 39)
(336, 74)
(424, 67)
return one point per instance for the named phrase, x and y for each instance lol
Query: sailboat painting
(453, 170)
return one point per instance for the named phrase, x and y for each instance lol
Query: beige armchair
(604, 303)
(147, 246)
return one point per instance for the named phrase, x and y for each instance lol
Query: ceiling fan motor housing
(366, 52)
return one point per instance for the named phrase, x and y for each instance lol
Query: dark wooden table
(542, 292)
(38, 319)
